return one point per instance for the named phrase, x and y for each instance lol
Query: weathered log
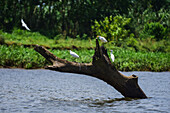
(101, 68)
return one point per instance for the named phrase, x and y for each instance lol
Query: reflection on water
(47, 91)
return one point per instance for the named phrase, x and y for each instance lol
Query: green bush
(130, 42)
(2, 40)
(155, 30)
(18, 56)
(113, 28)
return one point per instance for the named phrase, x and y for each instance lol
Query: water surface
(45, 91)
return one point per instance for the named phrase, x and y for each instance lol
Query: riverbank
(17, 51)
(125, 60)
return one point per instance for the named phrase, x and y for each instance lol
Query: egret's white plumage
(74, 54)
(102, 39)
(112, 56)
(24, 24)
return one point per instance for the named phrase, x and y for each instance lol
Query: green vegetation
(20, 57)
(126, 60)
(147, 61)
(113, 28)
(149, 56)
(155, 30)
(22, 37)
(75, 17)
(137, 31)
(19, 37)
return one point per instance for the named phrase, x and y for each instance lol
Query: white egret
(112, 56)
(24, 24)
(74, 54)
(102, 39)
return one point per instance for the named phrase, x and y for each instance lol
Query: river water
(45, 91)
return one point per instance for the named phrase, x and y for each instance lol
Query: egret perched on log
(24, 24)
(102, 39)
(112, 56)
(74, 54)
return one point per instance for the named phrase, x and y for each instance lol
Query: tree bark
(101, 68)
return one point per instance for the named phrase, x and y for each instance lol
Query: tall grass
(147, 58)
(85, 55)
(18, 56)
(125, 60)
(25, 37)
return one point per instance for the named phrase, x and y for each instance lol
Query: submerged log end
(134, 90)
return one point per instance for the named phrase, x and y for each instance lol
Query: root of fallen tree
(101, 68)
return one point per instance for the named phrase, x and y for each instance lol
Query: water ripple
(38, 91)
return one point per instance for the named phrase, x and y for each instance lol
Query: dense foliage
(125, 60)
(155, 30)
(138, 31)
(18, 56)
(75, 17)
(113, 28)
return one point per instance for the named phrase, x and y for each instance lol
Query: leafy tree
(156, 30)
(113, 28)
(74, 17)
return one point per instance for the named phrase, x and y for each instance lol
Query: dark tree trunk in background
(101, 68)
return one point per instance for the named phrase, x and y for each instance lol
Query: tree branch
(101, 68)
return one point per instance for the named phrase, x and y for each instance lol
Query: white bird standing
(24, 24)
(112, 56)
(102, 39)
(74, 54)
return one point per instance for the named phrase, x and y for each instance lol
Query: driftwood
(101, 68)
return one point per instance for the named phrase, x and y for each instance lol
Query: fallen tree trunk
(101, 68)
